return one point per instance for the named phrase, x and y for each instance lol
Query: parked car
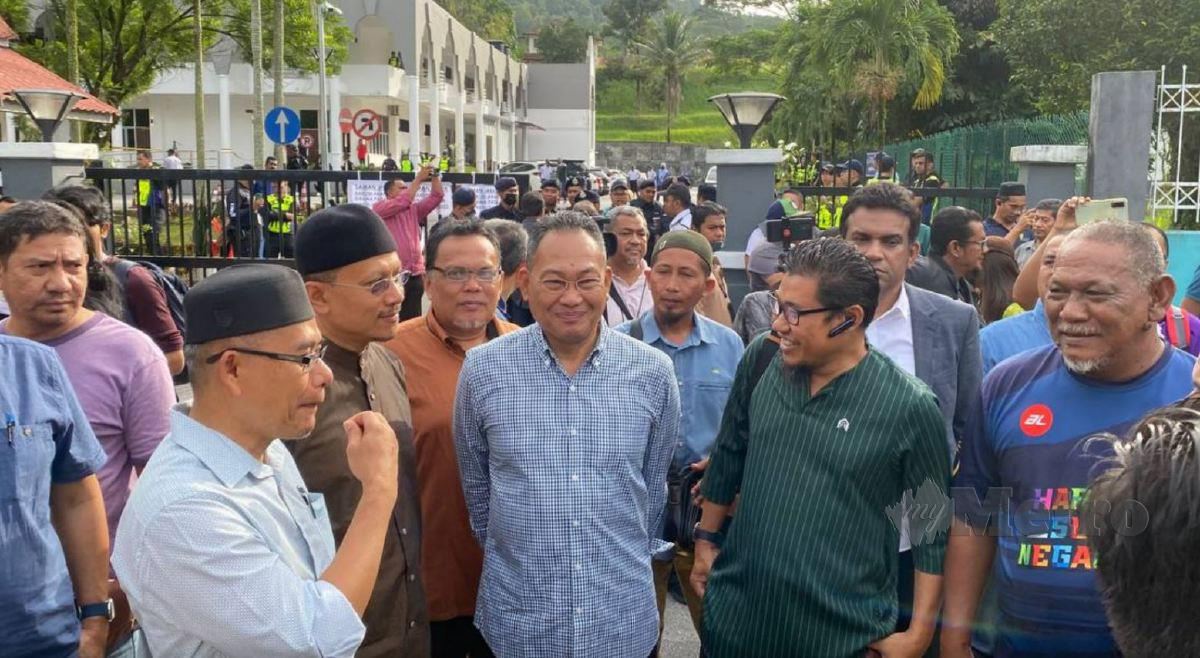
(523, 168)
(711, 176)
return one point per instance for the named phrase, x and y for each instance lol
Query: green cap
(690, 240)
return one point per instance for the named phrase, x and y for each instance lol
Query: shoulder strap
(1177, 328)
(763, 360)
(616, 297)
(635, 330)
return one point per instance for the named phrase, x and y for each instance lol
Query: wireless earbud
(842, 328)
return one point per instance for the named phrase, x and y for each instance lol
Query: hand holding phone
(1099, 210)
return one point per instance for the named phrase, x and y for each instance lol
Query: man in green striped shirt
(822, 449)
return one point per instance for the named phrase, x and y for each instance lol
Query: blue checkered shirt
(565, 481)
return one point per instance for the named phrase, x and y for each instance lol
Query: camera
(794, 228)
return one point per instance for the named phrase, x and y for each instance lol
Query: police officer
(406, 165)
(651, 209)
(281, 222)
(922, 175)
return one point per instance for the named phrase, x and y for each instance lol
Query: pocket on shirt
(25, 472)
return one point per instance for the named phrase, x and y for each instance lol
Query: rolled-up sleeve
(201, 566)
(470, 445)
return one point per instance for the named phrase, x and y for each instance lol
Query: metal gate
(1175, 157)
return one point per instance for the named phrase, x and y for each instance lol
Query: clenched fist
(373, 453)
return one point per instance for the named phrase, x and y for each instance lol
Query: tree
(563, 41)
(875, 49)
(300, 26)
(256, 60)
(1054, 66)
(16, 14)
(277, 70)
(490, 19)
(198, 80)
(674, 52)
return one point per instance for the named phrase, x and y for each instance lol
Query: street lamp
(746, 111)
(323, 6)
(47, 107)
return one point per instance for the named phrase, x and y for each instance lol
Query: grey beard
(1085, 367)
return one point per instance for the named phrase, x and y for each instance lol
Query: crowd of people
(508, 433)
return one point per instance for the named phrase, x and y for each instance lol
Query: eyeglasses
(381, 286)
(793, 314)
(462, 274)
(305, 361)
(583, 285)
(981, 243)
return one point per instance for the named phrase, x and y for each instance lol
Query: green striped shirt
(809, 566)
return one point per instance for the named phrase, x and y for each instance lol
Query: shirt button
(412, 577)
(404, 531)
(579, 611)
(372, 396)
(578, 566)
(571, 388)
(412, 624)
(575, 523)
(575, 477)
(572, 432)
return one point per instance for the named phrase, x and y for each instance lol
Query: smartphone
(791, 229)
(1099, 210)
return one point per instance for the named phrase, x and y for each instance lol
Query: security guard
(444, 164)
(922, 175)
(281, 222)
(406, 165)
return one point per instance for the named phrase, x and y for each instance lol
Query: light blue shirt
(565, 483)
(220, 554)
(1011, 336)
(704, 367)
(45, 440)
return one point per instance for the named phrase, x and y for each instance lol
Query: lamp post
(746, 111)
(323, 6)
(47, 107)
(745, 179)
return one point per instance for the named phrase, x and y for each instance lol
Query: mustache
(1077, 329)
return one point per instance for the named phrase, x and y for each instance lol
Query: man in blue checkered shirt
(564, 431)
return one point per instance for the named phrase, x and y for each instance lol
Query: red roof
(17, 72)
(6, 32)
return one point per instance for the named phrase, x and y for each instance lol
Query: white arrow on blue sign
(282, 125)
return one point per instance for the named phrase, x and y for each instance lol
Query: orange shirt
(452, 561)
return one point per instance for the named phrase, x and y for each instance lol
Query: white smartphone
(1099, 210)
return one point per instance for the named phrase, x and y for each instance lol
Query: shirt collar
(491, 331)
(700, 333)
(597, 351)
(226, 459)
(340, 357)
(901, 306)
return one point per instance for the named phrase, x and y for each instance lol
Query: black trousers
(457, 638)
(413, 290)
(279, 245)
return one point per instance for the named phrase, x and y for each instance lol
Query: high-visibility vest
(406, 165)
(143, 193)
(280, 224)
(831, 217)
(445, 164)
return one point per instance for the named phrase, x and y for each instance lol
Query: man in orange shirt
(463, 282)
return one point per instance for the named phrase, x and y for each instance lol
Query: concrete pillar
(225, 159)
(460, 139)
(435, 113)
(1048, 171)
(512, 137)
(415, 127)
(746, 186)
(31, 168)
(480, 138)
(1120, 123)
(334, 128)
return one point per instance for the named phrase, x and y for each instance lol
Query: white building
(454, 92)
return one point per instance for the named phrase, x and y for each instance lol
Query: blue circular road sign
(282, 125)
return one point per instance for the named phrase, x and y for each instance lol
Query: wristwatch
(102, 609)
(714, 538)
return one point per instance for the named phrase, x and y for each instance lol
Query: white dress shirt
(892, 335)
(636, 296)
(682, 221)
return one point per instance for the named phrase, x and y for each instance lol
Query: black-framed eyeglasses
(462, 274)
(981, 243)
(305, 361)
(793, 314)
(379, 287)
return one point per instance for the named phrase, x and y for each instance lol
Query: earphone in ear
(842, 328)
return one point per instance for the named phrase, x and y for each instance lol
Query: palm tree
(198, 78)
(277, 71)
(674, 51)
(877, 48)
(72, 17)
(256, 47)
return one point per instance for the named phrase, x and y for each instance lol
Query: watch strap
(100, 609)
(714, 538)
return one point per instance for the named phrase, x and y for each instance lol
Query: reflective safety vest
(280, 223)
(406, 165)
(829, 215)
(143, 193)
(444, 165)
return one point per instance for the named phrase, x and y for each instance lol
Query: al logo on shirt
(1036, 420)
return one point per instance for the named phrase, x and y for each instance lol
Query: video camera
(792, 228)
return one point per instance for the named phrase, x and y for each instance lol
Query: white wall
(568, 135)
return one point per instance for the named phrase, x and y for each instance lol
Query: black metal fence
(979, 199)
(187, 219)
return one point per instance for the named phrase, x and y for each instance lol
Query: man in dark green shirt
(826, 449)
